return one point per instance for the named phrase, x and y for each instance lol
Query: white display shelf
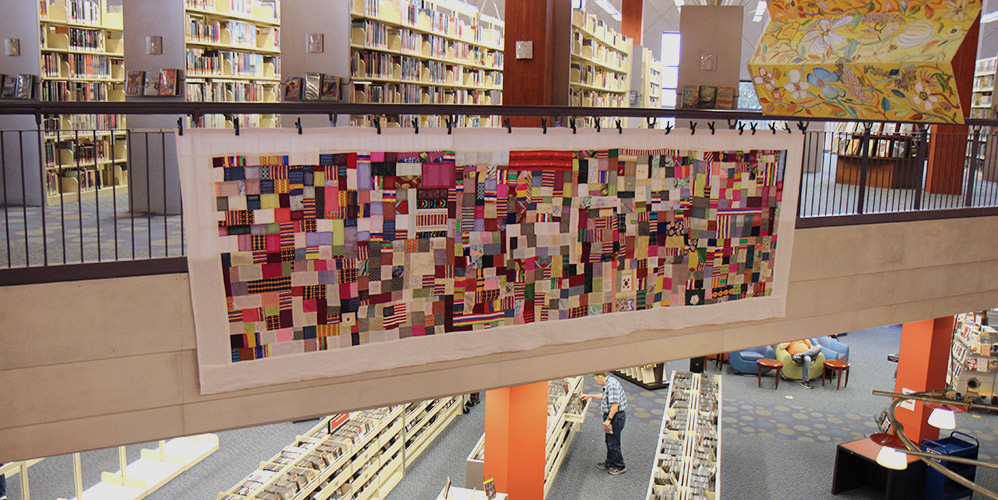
(688, 453)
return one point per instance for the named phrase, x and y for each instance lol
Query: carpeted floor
(772, 441)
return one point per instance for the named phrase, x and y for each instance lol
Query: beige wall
(94, 364)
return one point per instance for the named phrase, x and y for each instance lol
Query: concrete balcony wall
(99, 363)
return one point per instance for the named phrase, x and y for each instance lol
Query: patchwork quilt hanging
(342, 251)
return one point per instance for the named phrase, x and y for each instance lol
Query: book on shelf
(168, 81)
(330, 88)
(9, 87)
(292, 88)
(135, 82)
(707, 97)
(151, 87)
(691, 96)
(725, 98)
(313, 82)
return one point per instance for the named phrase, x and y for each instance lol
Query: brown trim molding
(92, 271)
(852, 220)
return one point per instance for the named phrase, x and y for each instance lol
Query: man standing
(613, 402)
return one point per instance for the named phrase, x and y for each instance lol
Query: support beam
(922, 363)
(632, 22)
(515, 427)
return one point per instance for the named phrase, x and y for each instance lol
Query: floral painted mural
(876, 60)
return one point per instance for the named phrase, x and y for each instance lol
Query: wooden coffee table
(837, 366)
(766, 363)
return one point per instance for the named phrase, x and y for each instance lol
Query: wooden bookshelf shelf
(424, 53)
(223, 39)
(359, 455)
(598, 55)
(690, 433)
(79, 40)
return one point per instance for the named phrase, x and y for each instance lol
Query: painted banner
(342, 251)
(883, 60)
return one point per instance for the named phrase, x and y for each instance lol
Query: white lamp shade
(892, 459)
(941, 418)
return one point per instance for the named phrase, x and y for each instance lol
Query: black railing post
(923, 139)
(864, 164)
(975, 149)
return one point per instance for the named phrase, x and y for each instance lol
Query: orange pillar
(946, 155)
(922, 363)
(515, 426)
(528, 81)
(632, 19)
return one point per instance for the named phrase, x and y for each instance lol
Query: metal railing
(134, 213)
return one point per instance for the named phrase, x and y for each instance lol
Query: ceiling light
(990, 17)
(942, 418)
(609, 9)
(892, 459)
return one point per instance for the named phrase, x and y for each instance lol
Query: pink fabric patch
(273, 243)
(419, 331)
(285, 335)
(437, 175)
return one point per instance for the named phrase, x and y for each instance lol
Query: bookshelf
(600, 63)
(973, 364)
(651, 80)
(892, 156)
(981, 105)
(688, 455)
(81, 49)
(232, 51)
(566, 412)
(425, 52)
(359, 455)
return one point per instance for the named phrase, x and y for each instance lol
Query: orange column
(632, 19)
(515, 426)
(922, 363)
(944, 170)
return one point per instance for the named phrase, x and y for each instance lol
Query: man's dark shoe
(617, 470)
(601, 465)
(806, 385)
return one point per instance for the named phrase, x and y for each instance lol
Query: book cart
(82, 59)
(425, 52)
(232, 54)
(566, 412)
(688, 455)
(359, 455)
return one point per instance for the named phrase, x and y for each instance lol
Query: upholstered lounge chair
(744, 361)
(832, 348)
(793, 371)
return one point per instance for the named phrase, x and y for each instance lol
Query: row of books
(84, 39)
(590, 98)
(312, 87)
(222, 91)
(57, 90)
(879, 146)
(444, 23)
(52, 123)
(17, 86)
(163, 83)
(84, 150)
(876, 128)
(84, 11)
(87, 180)
(210, 62)
(707, 97)
(407, 93)
(587, 74)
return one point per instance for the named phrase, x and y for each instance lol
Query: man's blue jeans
(614, 457)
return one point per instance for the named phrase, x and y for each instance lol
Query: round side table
(837, 366)
(772, 364)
